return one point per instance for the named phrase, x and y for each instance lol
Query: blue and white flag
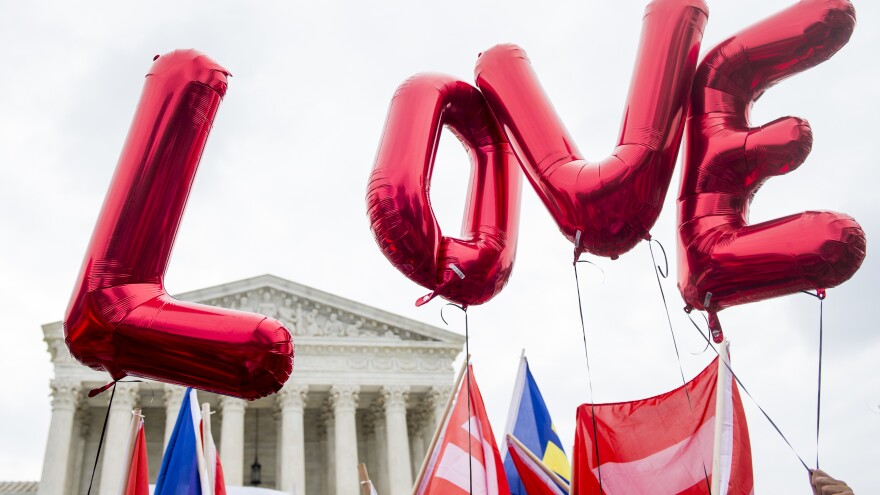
(529, 421)
(183, 470)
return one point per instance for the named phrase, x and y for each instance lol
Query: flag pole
(366, 484)
(720, 411)
(136, 418)
(549, 472)
(200, 451)
(206, 433)
(516, 397)
(440, 424)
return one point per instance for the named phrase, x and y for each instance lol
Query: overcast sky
(292, 147)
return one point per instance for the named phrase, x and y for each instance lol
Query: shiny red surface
(724, 261)
(120, 319)
(613, 202)
(399, 207)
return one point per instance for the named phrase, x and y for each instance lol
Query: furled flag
(529, 421)
(532, 478)
(212, 460)
(465, 459)
(663, 445)
(136, 477)
(183, 470)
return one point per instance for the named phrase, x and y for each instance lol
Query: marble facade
(368, 386)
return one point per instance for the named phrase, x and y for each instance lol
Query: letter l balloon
(120, 319)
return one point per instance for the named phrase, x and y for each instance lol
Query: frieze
(409, 364)
(305, 317)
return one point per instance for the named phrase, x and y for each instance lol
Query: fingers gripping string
(589, 374)
(467, 352)
(664, 273)
(746, 391)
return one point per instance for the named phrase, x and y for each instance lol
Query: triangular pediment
(312, 313)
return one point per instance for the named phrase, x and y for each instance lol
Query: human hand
(826, 485)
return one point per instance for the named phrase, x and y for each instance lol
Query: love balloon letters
(604, 207)
(607, 207)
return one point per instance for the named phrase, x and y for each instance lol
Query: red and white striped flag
(136, 477)
(212, 460)
(465, 459)
(663, 446)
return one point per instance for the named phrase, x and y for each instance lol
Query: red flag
(534, 480)
(139, 473)
(449, 471)
(663, 445)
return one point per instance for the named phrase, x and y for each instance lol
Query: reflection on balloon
(604, 207)
(120, 319)
(724, 261)
(475, 267)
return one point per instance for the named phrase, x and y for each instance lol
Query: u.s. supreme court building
(367, 386)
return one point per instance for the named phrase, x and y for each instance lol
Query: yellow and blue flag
(529, 421)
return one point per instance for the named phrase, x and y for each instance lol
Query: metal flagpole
(200, 447)
(136, 418)
(720, 412)
(206, 432)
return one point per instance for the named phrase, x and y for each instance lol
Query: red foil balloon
(605, 207)
(120, 319)
(724, 261)
(467, 270)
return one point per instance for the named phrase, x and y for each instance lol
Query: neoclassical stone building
(367, 386)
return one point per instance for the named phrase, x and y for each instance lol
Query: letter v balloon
(603, 207)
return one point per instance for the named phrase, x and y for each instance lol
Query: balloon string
(467, 352)
(665, 273)
(820, 295)
(103, 431)
(589, 374)
(744, 389)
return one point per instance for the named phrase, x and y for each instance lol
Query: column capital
(394, 396)
(66, 394)
(126, 397)
(293, 396)
(437, 396)
(228, 404)
(83, 418)
(417, 419)
(173, 395)
(344, 397)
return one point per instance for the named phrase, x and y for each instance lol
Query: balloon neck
(715, 327)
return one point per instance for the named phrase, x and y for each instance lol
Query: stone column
(232, 439)
(343, 399)
(173, 398)
(84, 420)
(380, 431)
(327, 427)
(418, 446)
(437, 398)
(116, 438)
(292, 461)
(65, 398)
(399, 471)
